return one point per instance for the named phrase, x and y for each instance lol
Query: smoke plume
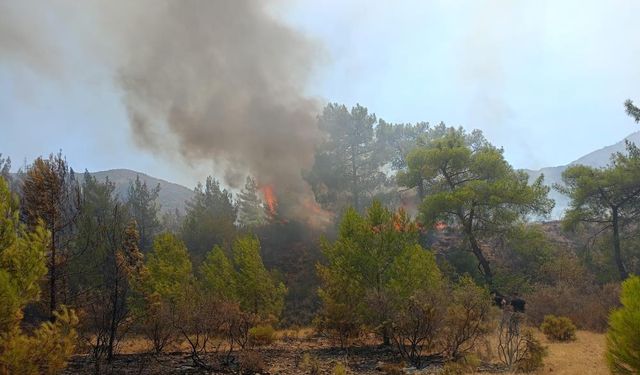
(205, 80)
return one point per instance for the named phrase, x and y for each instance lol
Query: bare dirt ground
(584, 356)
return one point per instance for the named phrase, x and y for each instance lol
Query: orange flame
(269, 199)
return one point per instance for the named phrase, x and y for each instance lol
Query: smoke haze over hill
(204, 81)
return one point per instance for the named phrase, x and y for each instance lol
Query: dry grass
(585, 356)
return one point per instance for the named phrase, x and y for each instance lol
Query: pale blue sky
(544, 79)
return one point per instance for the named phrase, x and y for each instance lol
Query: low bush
(262, 335)
(465, 365)
(559, 328)
(518, 349)
(534, 353)
(339, 369)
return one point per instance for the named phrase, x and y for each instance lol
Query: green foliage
(45, 351)
(605, 197)
(558, 328)
(257, 290)
(169, 267)
(262, 335)
(209, 220)
(468, 182)
(372, 268)
(347, 168)
(22, 264)
(251, 211)
(218, 277)
(467, 317)
(632, 110)
(22, 267)
(162, 290)
(623, 337)
(339, 369)
(51, 197)
(143, 206)
(534, 353)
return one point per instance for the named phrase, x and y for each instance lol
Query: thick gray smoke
(226, 80)
(208, 80)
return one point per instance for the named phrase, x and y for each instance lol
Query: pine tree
(251, 212)
(623, 336)
(374, 265)
(218, 277)
(467, 182)
(52, 194)
(108, 262)
(22, 266)
(169, 267)
(209, 220)
(606, 197)
(347, 168)
(144, 208)
(258, 291)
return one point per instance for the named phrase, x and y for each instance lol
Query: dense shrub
(262, 335)
(587, 306)
(623, 337)
(558, 328)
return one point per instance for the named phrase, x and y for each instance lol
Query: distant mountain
(171, 195)
(599, 158)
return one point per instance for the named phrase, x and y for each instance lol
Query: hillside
(599, 158)
(171, 195)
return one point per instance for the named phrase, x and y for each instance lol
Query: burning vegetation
(408, 244)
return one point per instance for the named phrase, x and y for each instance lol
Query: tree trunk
(477, 251)
(617, 254)
(114, 319)
(386, 341)
(52, 278)
(354, 179)
(421, 193)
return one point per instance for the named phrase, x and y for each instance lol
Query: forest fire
(269, 199)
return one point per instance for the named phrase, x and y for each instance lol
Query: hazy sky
(544, 79)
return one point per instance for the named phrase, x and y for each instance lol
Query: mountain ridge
(599, 158)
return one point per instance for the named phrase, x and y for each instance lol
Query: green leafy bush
(623, 337)
(558, 328)
(262, 335)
